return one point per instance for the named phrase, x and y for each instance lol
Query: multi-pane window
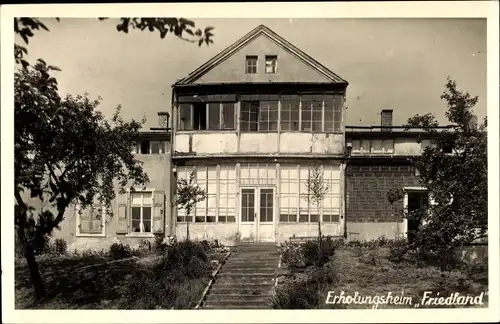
(268, 116)
(206, 179)
(207, 116)
(184, 173)
(311, 113)
(367, 146)
(288, 194)
(271, 64)
(290, 110)
(331, 201)
(266, 205)
(227, 194)
(247, 205)
(251, 64)
(249, 116)
(91, 220)
(333, 113)
(141, 206)
(150, 147)
(259, 113)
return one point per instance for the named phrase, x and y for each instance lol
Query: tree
(65, 152)
(457, 182)
(179, 27)
(187, 195)
(316, 192)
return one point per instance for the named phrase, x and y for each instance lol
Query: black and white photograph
(328, 158)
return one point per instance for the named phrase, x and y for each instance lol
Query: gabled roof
(256, 32)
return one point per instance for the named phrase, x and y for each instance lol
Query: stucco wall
(366, 231)
(290, 69)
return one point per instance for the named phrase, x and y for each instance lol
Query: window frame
(273, 59)
(78, 233)
(251, 59)
(162, 147)
(141, 192)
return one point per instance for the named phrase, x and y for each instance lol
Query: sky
(399, 64)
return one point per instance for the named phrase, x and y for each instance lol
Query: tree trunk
(187, 227)
(320, 257)
(29, 254)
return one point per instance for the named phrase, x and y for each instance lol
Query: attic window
(251, 64)
(271, 64)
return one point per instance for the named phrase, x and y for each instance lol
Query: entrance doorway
(417, 204)
(257, 214)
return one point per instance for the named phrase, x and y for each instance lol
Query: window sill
(90, 235)
(140, 235)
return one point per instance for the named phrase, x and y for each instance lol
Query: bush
(59, 247)
(306, 293)
(159, 245)
(120, 251)
(398, 250)
(180, 254)
(301, 255)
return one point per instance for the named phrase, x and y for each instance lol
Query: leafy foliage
(182, 28)
(120, 251)
(302, 255)
(305, 293)
(457, 182)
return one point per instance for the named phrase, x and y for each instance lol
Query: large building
(250, 123)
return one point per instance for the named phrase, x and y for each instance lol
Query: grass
(369, 272)
(89, 282)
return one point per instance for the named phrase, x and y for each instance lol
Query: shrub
(297, 255)
(120, 251)
(306, 293)
(60, 246)
(370, 259)
(180, 254)
(398, 250)
(159, 244)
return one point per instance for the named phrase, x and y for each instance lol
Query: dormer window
(251, 64)
(271, 64)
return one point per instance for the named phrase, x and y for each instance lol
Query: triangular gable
(261, 30)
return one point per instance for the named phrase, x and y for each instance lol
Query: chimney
(386, 119)
(163, 117)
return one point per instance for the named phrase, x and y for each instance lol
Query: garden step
(223, 285)
(230, 298)
(253, 268)
(245, 276)
(236, 280)
(209, 306)
(251, 260)
(251, 290)
(237, 303)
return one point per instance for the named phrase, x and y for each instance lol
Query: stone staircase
(246, 280)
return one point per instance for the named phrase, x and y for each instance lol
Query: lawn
(95, 281)
(368, 272)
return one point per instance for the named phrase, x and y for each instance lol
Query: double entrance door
(257, 214)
